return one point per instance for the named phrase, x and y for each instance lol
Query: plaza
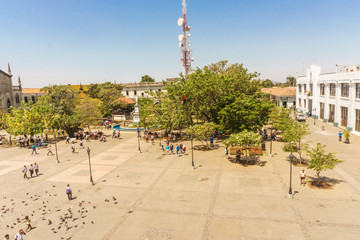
(148, 195)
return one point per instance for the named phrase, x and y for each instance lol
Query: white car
(300, 117)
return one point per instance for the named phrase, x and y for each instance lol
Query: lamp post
(57, 158)
(138, 130)
(271, 129)
(291, 160)
(192, 153)
(91, 179)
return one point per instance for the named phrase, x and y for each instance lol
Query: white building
(134, 90)
(331, 97)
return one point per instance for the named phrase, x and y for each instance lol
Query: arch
(8, 103)
(33, 98)
(26, 99)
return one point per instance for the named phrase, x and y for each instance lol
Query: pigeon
(114, 198)
(92, 222)
(49, 222)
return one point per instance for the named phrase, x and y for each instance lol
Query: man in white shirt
(19, 235)
(302, 177)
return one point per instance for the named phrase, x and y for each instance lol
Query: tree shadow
(296, 161)
(252, 160)
(323, 182)
(208, 147)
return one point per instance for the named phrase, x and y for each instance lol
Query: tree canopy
(147, 78)
(108, 93)
(320, 160)
(227, 95)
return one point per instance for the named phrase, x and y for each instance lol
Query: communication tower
(184, 42)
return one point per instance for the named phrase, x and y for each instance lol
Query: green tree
(63, 99)
(89, 110)
(147, 78)
(290, 81)
(295, 134)
(320, 160)
(267, 83)
(218, 86)
(108, 93)
(280, 118)
(24, 120)
(202, 132)
(243, 139)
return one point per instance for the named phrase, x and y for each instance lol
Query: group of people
(169, 149)
(33, 168)
(116, 134)
(268, 136)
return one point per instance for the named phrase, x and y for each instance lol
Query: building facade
(284, 97)
(138, 90)
(331, 97)
(31, 94)
(9, 95)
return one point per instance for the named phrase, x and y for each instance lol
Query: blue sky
(73, 41)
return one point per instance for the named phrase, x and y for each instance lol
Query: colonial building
(331, 97)
(134, 90)
(9, 95)
(284, 97)
(32, 94)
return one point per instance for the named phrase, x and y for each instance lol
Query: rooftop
(280, 92)
(31, 90)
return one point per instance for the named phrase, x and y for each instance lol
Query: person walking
(81, 144)
(19, 235)
(33, 149)
(226, 152)
(49, 151)
(152, 139)
(25, 172)
(167, 149)
(36, 167)
(172, 149)
(340, 135)
(28, 223)
(178, 150)
(31, 169)
(302, 177)
(69, 192)
(67, 139)
(73, 148)
(7, 237)
(184, 149)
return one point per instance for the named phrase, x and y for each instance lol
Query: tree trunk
(89, 128)
(318, 176)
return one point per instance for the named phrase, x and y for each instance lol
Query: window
(357, 120)
(26, 99)
(332, 89)
(299, 102)
(322, 89)
(311, 87)
(322, 110)
(345, 90)
(299, 86)
(331, 113)
(17, 98)
(135, 92)
(358, 90)
(142, 94)
(305, 88)
(33, 99)
(304, 103)
(344, 116)
(159, 90)
(127, 93)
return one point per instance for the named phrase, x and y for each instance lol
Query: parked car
(300, 117)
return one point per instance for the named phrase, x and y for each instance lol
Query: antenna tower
(184, 42)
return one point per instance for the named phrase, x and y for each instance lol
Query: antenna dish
(180, 21)
(189, 35)
(181, 44)
(181, 37)
(188, 28)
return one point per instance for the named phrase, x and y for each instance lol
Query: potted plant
(347, 136)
